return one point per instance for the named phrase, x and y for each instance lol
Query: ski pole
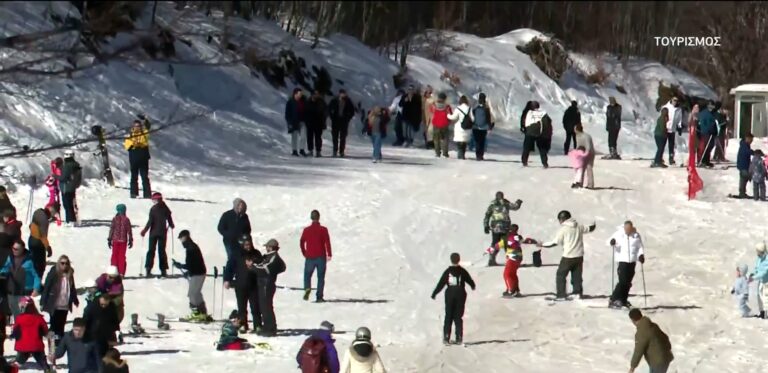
(221, 309)
(173, 248)
(215, 276)
(613, 267)
(141, 259)
(645, 295)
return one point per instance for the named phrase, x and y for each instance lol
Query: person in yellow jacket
(137, 145)
(38, 238)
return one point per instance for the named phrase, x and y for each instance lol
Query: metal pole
(645, 295)
(173, 248)
(215, 276)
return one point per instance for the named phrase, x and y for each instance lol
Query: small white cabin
(751, 110)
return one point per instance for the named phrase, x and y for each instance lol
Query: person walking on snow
(69, 181)
(396, 111)
(462, 127)
(660, 135)
(376, 129)
(39, 246)
(439, 113)
(578, 159)
(157, 225)
(758, 171)
(237, 272)
(674, 124)
(743, 160)
(233, 225)
(82, 357)
(571, 237)
(22, 280)
(537, 127)
(760, 274)
(194, 265)
(362, 356)
(482, 122)
(137, 145)
(318, 352)
(613, 127)
(120, 238)
(741, 290)
(315, 244)
(267, 270)
(627, 246)
(571, 118)
(428, 102)
(316, 115)
(341, 110)
(651, 342)
(497, 222)
(59, 294)
(411, 111)
(454, 278)
(584, 139)
(295, 114)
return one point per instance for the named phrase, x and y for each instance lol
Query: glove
(613, 242)
(642, 258)
(49, 251)
(487, 230)
(733, 291)
(519, 202)
(130, 244)
(143, 232)
(432, 296)
(109, 243)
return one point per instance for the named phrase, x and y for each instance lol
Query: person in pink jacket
(120, 238)
(578, 159)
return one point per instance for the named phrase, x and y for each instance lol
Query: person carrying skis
(627, 246)
(571, 237)
(613, 127)
(233, 225)
(229, 340)
(341, 110)
(651, 342)
(158, 223)
(111, 283)
(497, 222)
(454, 278)
(22, 280)
(38, 238)
(362, 356)
(741, 289)
(29, 329)
(237, 273)
(82, 356)
(315, 244)
(70, 179)
(318, 352)
(59, 294)
(137, 145)
(194, 265)
(743, 160)
(101, 323)
(120, 239)
(267, 270)
(760, 274)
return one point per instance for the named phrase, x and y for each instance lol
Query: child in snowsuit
(741, 289)
(758, 171)
(578, 159)
(229, 339)
(455, 278)
(120, 239)
(512, 247)
(29, 330)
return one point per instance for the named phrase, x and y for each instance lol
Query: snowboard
(98, 131)
(52, 350)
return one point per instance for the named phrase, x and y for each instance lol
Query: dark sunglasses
(64, 263)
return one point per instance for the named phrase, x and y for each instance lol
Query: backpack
(312, 356)
(77, 177)
(466, 122)
(454, 280)
(481, 114)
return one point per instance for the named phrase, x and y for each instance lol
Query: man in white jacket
(674, 124)
(362, 356)
(628, 249)
(571, 237)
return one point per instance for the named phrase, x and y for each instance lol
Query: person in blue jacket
(760, 274)
(331, 361)
(742, 163)
(22, 279)
(707, 133)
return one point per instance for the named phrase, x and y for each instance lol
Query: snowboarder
(482, 123)
(82, 357)
(229, 340)
(660, 135)
(674, 124)
(315, 244)
(70, 179)
(570, 236)
(318, 352)
(159, 216)
(237, 273)
(376, 129)
(38, 238)
(137, 145)
(571, 118)
(101, 323)
(295, 112)
(584, 139)
(397, 114)
(120, 238)
(497, 222)
(537, 127)
(362, 356)
(412, 111)
(455, 277)
(29, 329)
(428, 100)
(194, 264)
(267, 270)
(758, 171)
(743, 160)
(627, 245)
(111, 283)
(741, 289)
(59, 294)
(578, 159)
(316, 115)
(341, 110)
(613, 127)
(439, 113)
(462, 127)
(760, 274)
(651, 342)
(5, 202)
(112, 363)
(707, 133)
(233, 225)
(22, 280)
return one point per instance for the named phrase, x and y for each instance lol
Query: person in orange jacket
(38, 237)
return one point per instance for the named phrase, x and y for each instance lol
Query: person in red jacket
(440, 123)
(28, 331)
(120, 238)
(315, 245)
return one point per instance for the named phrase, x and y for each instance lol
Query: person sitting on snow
(229, 339)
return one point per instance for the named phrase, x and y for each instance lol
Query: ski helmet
(363, 333)
(563, 215)
(760, 247)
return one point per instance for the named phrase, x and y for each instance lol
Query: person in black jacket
(316, 114)
(60, 278)
(266, 271)
(237, 273)
(101, 323)
(455, 278)
(233, 225)
(82, 356)
(571, 118)
(196, 271)
(294, 119)
(159, 216)
(613, 126)
(5, 202)
(341, 110)
(10, 232)
(412, 112)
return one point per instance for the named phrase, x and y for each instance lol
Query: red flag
(695, 184)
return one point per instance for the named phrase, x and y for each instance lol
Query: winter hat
(234, 315)
(112, 271)
(272, 243)
(184, 233)
(760, 247)
(120, 209)
(326, 325)
(157, 196)
(743, 269)
(481, 98)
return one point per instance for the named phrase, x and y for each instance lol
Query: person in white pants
(760, 274)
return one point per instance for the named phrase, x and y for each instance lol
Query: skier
(59, 294)
(228, 340)
(578, 159)
(70, 179)
(341, 110)
(267, 270)
(497, 222)
(584, 139)
(674, 124)
(315, 244)
(376, 129)
(571, 118)
(362, 356)
(613, 127)
(743, 160)
(570, 236)
(112, 363)
(295, 110)
(439, 113)
(410, 106)
(111, 283)
(29, 329)
(137, 145)
(120, 238)
(316, 115)
(482, 123)
(159, 216)
(627, 246)
(428, 100)
(707, 133)
(651, 342)
(760, 274)
(101, 323)
(318, 352)
(233, 225)
(462, 128)
(455, 277)
(22, 280)
(758, 171)
(237, 273)
(397, 114)
(5, 202)
(38, 238)
(537, 129)
(194, 264)
(741, 290)
(82, 357)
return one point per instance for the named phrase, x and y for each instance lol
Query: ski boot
(459, 340)
(161, 324)
(135, 326)
(120, 339)
(447, 341)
